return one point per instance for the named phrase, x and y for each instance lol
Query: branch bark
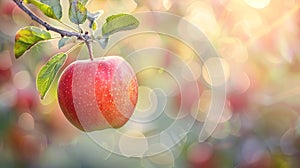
(84, 37)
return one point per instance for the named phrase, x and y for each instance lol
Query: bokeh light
(258, 4)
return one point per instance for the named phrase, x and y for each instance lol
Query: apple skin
(98, 94)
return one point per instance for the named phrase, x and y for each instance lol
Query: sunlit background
(259, 45)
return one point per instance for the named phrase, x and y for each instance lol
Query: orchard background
(259, 43)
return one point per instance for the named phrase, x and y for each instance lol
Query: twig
(84, 37)
(89, 46)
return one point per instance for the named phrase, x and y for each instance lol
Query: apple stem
(89, 46)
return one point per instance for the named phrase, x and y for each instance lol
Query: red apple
(98, 94)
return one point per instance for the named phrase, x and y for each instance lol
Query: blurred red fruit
(7, 8)
(26, 146)
(5, 75)
(26, 100)
(201, 155)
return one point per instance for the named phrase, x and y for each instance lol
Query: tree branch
(83, 37)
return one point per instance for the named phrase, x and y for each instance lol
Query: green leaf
(83, 1)
(47, 10)
(48, 72)
(77, 12)
(103, 41)
(55, 6)
(92, 17)
(94, 26)
(27, 37)
(116, 23)
(66, 40)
